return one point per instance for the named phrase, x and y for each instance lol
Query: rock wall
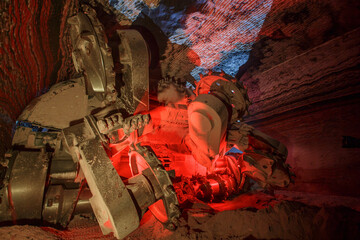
(303, 79)
(302, 73)
(34, 55)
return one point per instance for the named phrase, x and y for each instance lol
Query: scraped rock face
(250, 216)
(298, 59)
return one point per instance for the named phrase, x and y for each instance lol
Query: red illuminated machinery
(95, 143)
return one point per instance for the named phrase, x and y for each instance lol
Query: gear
(89, 43)
(228, 90)
(167, 209)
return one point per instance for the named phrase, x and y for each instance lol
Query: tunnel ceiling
(191, 37)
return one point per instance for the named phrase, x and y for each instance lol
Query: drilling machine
(67, 144)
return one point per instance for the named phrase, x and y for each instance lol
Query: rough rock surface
(250, 216)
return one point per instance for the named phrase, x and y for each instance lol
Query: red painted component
(158, 209)
(205, 83)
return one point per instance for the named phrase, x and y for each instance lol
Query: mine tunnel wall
(302, 77)
(303, 80)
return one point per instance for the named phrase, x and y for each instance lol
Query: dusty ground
(287, 215)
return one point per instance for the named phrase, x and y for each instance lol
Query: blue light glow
(220, 32)
(34, 128)
(131, 9)
(234, 150)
